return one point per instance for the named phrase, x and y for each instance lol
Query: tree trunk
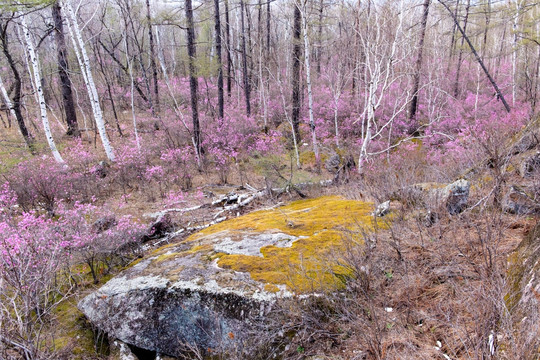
(493, 83)
(37, 81)
(416, 81)
(228, 46)
(152, 56)
(63, 70)
(84, 63)
(308, 83)
(221, 105)
(17, 84)
(193, 84)
(297, 30)
(245, 72)
(319, 49)
(268, 28)
(460, 57)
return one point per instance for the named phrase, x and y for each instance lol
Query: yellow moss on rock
(311, 263)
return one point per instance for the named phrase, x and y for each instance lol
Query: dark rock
(430, 218)
(530, 166)
(521, 201)
(333, 163)
(105, 223)
(455, 196)
(527, 142)
(159, 228)
(102, 169)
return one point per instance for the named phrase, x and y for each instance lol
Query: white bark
(379, 68)
(84, 63)
(37, 83)
(308, 81)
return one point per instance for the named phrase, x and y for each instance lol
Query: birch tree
(381, 57)
(36, 72)
(86, 70)
(308, 83)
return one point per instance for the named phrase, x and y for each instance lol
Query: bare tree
(418, 69)
(36, 72)
(295, 75)
(63, 71)
(245, 70)
(193, 82)
(15, 102)
(86, 69)
(218, 56)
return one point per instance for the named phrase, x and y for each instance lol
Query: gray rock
(382, 209)
(530, 166)
(159, 228)
(455, 196)
(527, 142)
(333, 163)
(215, 289)
(179, 298)
(105, 223)
(521, 201)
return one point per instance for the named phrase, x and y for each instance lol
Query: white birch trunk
(41, 99)
(84, 63)
(308, 81)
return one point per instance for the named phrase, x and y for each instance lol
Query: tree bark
(221, 105)
(297, 30)
(37, 81)
(245, 71)
(17, 85)
(460, 57)
(86, 69)
(310, 94)
(152, 57)
(63, 70)
(228, 46)
(416, 81)
(193, 82)
(319, 49)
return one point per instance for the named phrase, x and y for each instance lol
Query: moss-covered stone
(228, 274)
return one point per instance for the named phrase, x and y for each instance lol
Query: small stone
(333, 163)
(530, 166)
(456, 196)
(382, 209)
(105, 223)
(521, 201)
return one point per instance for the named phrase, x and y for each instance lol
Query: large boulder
(453, 197)
(210, 291)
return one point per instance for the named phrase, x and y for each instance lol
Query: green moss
(76, 336)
